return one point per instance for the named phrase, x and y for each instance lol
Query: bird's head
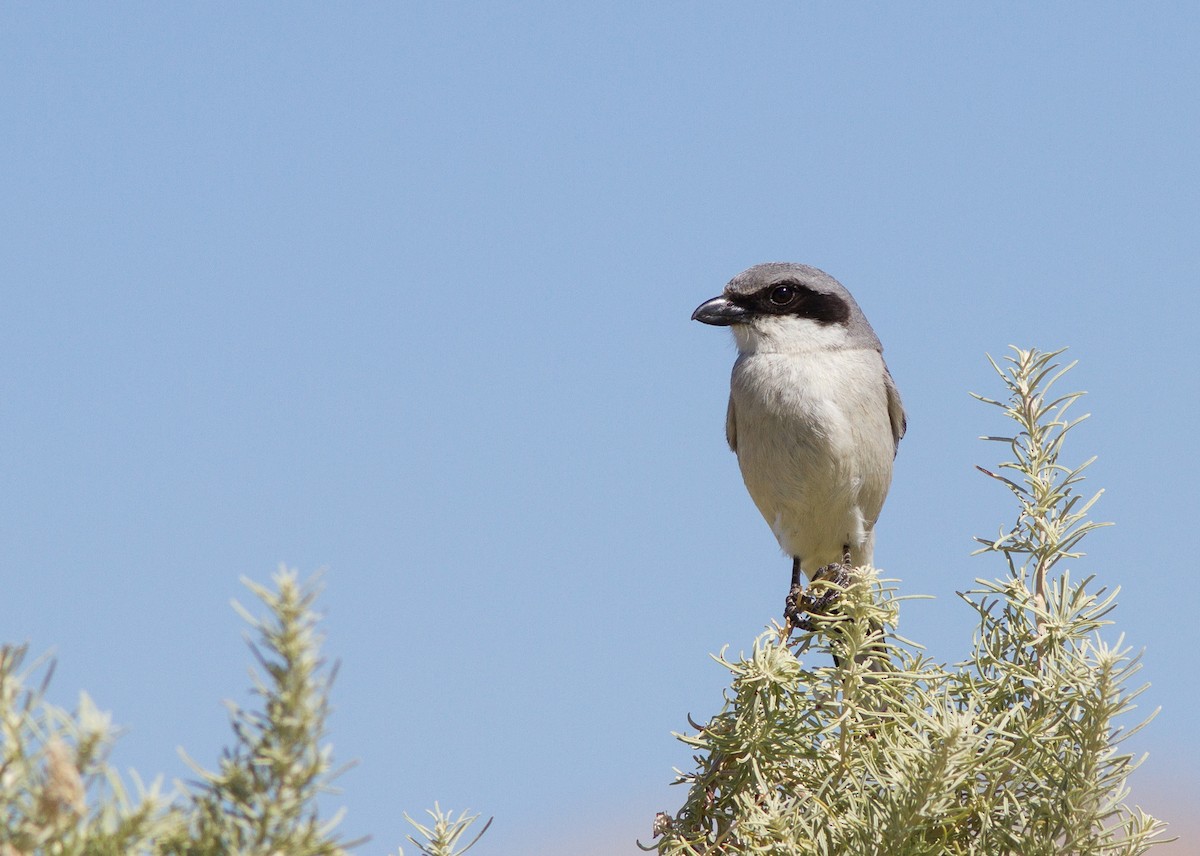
(788, 308)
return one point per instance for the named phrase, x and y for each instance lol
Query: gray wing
(731, 426)
(895, 408)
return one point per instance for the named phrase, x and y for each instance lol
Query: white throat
(789, 334)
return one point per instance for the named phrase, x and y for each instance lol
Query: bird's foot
(793, 607)
(825, 588)
(822, 595)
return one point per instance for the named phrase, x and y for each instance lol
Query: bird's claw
(826, 587)
(793, 607)
(822, 595)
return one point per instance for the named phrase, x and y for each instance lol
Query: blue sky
(402, 291)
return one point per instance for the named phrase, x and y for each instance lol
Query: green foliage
(262, 799)
(442, 839)
(1014, 751)
(58, 795)
(878, 750)
(1051, 522)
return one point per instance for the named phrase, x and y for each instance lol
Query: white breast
(815, 447)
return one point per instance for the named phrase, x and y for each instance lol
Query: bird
(814, 415)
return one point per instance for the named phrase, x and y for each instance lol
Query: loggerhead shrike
(814, 416)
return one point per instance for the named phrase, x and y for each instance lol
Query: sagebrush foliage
(59, 796)
(57, 793)
(262, 799)
(1013, 751)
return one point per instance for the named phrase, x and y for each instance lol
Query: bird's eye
(782, 295)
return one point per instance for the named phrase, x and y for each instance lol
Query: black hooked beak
(720, 312)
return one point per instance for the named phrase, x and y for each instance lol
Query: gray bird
(814, 415)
